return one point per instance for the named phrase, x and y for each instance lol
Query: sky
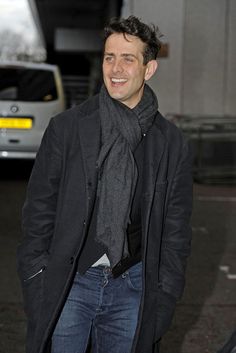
(16, 16)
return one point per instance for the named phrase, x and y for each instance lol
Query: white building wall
(204, 57)
(230, 91)
(199, 76)
(167, 82)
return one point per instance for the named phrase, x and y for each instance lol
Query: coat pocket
(34, 275)
(32, 288)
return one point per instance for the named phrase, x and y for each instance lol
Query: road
(206, 315)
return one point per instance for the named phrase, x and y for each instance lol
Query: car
(30, 94)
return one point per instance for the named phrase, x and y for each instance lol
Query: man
(106, 217)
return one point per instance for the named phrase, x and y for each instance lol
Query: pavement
(206, 315)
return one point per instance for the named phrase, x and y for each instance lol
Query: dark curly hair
(133, 26)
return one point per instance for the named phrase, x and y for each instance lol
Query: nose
(117, 66)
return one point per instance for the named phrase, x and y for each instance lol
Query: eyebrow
(123, 55)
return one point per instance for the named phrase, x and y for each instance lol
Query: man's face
(123, 70)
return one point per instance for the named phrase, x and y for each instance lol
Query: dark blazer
(57, 210)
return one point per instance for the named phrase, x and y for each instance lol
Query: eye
(108, 59)
(129, 59)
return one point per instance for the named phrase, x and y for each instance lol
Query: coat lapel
(89, 134)
(154, 148)
(153, 170)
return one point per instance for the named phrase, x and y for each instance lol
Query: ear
(151, 68)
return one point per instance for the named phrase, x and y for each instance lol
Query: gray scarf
(122, 129)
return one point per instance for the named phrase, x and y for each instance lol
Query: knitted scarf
(122, 129)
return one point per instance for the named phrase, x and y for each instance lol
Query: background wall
(199, 75)
(230, 96)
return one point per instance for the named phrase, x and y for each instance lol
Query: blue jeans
(103, 307)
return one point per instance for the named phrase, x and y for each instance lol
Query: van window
(27, 85)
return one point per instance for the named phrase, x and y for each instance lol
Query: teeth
(118, 80)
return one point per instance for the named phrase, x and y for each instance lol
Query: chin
(117, 97)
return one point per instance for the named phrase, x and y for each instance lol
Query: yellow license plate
(15, 123)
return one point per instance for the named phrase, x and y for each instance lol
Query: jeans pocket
(134, 277)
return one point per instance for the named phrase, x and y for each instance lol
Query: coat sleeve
(39, 209)
(176, 241)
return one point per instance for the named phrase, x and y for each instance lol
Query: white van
(30, 94)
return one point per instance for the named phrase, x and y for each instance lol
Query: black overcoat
(57, 210)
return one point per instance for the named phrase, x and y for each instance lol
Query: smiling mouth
(118, 80)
